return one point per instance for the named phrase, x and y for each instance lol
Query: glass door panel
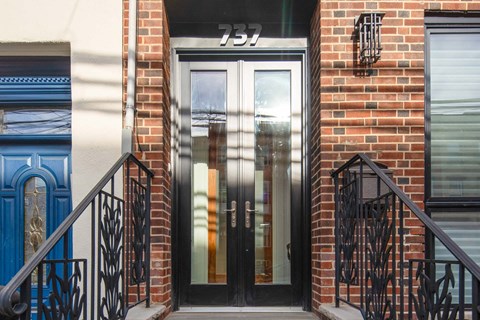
(209, 100)
(272, 176)
(240, 153)
(209, 185)
(272, 129)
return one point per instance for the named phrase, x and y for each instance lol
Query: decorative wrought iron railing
(380, 265)
(104, 271)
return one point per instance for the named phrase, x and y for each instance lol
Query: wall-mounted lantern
(368, 31)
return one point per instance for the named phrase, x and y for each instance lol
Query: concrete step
(241, 315)
(344, 312)
(140, 312)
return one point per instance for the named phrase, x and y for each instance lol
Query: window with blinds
(453, 131)
(455, 114)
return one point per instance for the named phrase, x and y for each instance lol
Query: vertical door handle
(247, 214)
(233, 211)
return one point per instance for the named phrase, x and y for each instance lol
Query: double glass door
(240, 183)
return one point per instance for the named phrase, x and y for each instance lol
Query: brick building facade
(243, 202)
(381, 114)
(379, 111)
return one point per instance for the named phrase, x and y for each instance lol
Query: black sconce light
(368, 29)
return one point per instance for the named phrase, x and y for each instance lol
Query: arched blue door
(35, 197)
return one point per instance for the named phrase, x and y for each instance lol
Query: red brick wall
(381, 115)
(152, 134)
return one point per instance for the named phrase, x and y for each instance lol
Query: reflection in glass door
(209, 185)
(272, 176)
(240, 153)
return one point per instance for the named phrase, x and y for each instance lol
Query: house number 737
(240, 35)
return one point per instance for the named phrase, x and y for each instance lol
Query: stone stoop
(140, 312)
(344, 312)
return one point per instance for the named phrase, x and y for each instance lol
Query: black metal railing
(379, 252)
(104, 269)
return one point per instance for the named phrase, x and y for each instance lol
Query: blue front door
(35, 197)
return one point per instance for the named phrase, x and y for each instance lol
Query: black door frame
(179, 258)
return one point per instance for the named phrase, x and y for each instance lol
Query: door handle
(233, 211)
(247, 214)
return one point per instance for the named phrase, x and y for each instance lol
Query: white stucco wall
(92, 29)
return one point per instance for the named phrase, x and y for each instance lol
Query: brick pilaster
(152, 131)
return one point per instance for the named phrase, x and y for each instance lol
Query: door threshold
(240, 309)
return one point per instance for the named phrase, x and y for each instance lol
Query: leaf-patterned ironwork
(52, 285)
(111, 265)
(67, 298)
(433, 300)
(379, 276)
(347, 230)
(138, 244)
(382, 260)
